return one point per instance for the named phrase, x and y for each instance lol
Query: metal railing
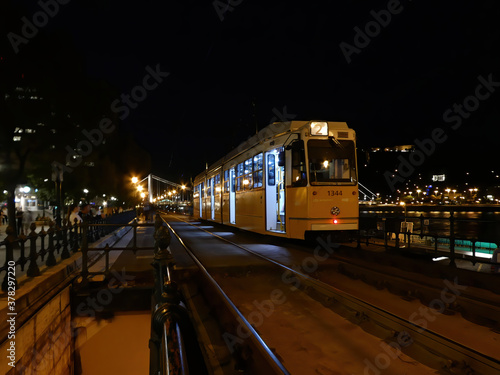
(425, 232)
(173, 344)
(62, 241)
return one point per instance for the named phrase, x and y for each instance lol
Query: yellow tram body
(292, 179)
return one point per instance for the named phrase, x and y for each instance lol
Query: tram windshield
(332, 162)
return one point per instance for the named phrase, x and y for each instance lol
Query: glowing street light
(135, 180)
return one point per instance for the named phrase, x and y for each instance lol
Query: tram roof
(269, 132)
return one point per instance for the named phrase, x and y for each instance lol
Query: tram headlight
(335, 211)
(319, 128)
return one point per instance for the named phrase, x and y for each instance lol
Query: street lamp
(135, 180)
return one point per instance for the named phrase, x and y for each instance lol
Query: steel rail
(260, 344)
(454, 352)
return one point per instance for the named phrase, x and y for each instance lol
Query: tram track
(404, 337)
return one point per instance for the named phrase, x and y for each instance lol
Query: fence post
(473, 252)
(33, 269)
(397, 234)
(85, 255)
(42, 235)
(57, 235)
(134, 241)
(452, 239)
(51, 259)
(22, 240)
(64, 230)
(9, 257)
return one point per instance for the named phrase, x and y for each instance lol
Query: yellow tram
(292, 179)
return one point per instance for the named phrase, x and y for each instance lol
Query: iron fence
(435, 233)
(45, 244)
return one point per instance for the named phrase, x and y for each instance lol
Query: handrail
(61, 240)
(169, 319)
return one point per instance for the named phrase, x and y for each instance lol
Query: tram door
(275, 193)
(232, 197)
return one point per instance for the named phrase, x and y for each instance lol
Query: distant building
(400, 148)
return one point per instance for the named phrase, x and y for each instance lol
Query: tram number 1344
(331, 193)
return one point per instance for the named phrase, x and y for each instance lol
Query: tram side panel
(250, 209)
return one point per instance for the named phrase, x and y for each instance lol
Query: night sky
(269, 59)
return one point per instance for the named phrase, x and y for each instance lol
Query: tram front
(323, 193)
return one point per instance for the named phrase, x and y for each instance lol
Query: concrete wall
(44, 344)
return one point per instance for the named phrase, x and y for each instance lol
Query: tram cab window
(332, 162)
(299, 174)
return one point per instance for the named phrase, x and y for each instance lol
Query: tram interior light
(319, 128)
(325, 164)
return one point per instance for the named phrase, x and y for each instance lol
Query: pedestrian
(27, 220)
(74, 215)
(85, 211)
(5, 218)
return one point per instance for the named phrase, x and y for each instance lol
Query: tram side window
(217, 183)
(240, 169)
(202, 190)
(257, 167)
(226, 181)
(247, 181)
(299, 174)
(271, 170)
